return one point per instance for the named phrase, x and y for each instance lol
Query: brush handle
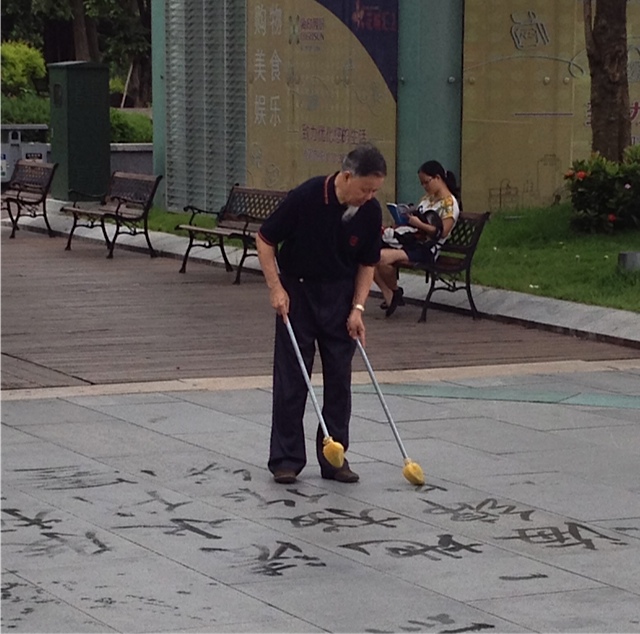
(303, 368)
(384, 403)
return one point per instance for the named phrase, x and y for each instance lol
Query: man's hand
(279, 300)
(355, 325)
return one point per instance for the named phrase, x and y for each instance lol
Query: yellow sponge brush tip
(333, 451)
(412, 472)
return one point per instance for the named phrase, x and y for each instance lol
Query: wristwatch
(359, 307)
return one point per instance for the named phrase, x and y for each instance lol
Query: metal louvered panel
(205, 92)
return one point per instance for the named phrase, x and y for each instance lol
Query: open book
(400, 212)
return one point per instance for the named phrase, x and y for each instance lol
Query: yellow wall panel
(313, 93)
(526, 98)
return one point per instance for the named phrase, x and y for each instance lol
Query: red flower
(581, 174)
(569, 174)
(611, 218)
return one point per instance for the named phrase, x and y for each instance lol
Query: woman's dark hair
(434, 168)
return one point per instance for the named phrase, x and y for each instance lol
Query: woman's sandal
(384, 304)
(396, 300)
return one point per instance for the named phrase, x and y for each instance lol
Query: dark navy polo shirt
(315, 242)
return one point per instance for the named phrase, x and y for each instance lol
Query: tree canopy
(115, 32)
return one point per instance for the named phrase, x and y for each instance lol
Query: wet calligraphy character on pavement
(447, 546)
(203, 473)
(182, 526)
(70, 477)
(243, 494)
(414, 625)
(335, 519)
(554, 537)
(488, 511)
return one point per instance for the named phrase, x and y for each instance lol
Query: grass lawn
(534, 251)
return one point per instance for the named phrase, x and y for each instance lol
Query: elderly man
(318, 251)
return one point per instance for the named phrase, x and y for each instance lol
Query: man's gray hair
(365, 160)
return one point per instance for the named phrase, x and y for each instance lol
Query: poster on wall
(321, 78)
(526, 113)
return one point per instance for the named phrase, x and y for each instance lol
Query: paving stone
(28, 608)
(594, 610)
(346, 603)
(152, 594)
(565, 494)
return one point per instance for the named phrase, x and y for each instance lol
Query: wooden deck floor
(73, 318)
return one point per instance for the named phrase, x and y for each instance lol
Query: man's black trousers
(318, 313)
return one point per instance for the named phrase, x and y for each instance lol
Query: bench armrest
(196, 211)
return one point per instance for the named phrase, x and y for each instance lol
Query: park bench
(451, 271)
(239, 218)
(27, 191)
(125, 205)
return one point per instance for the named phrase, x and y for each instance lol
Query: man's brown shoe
(342, 475)
(285, 476)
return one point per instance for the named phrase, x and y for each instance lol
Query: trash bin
(80, 127)
(11, 152)
(15, 147)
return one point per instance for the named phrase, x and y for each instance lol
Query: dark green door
(429, 89)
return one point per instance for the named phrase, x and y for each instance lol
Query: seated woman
(441, 197)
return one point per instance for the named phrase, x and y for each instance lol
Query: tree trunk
(606, 40)
(140, 84)
(139, 89)
(92, 39)
(80, 38)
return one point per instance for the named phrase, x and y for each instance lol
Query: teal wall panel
(158, 39)
(429, 89)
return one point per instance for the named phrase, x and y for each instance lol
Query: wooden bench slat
(240, 218)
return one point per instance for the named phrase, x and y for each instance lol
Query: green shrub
(126, 127)
(605, 195)
(28, 108)
(116, 84)
(21, 64)
(130, 127)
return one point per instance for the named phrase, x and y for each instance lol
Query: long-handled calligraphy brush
(332, 450)
(412, 470)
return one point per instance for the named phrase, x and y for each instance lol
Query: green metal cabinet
(80, 127)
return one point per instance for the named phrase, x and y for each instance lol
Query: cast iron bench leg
(113, 240)
(46, 220)
(73, 228)
(152, 251)
(227, 264)
(14, 221)
(474, 311)
(183, 268)
(432, 283)
(245, 248)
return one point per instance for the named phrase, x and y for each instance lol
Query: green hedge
(130, 127)
(28, 108)
(126, 127)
